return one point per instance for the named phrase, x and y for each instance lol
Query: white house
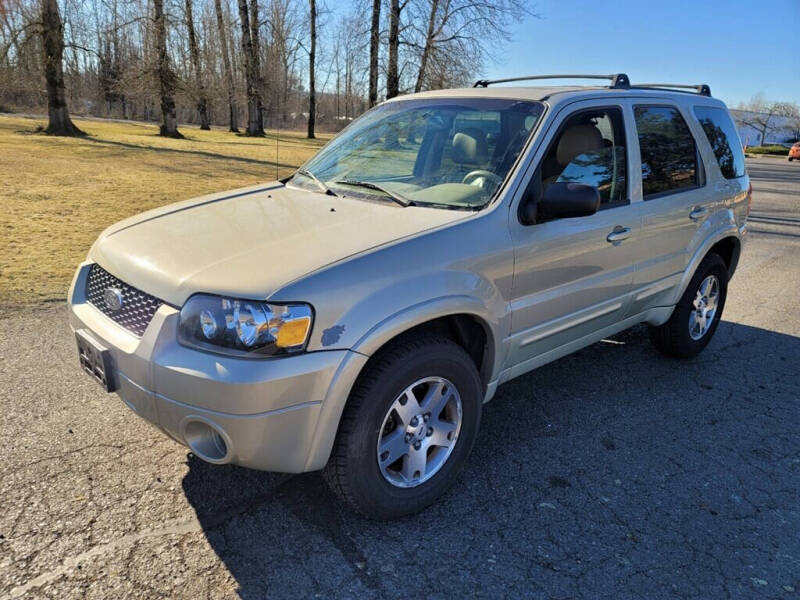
(785, 130)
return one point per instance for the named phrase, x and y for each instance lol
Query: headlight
(244, 327)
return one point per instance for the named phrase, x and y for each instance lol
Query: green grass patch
(775, 149)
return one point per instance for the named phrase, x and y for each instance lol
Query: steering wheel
(480, 177)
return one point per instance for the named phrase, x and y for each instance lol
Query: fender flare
(442, 306)
(726, 231)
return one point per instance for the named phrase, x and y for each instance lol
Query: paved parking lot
(612, 473)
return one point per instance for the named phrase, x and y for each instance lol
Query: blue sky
(738, 47)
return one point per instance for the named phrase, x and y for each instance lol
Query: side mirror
(564, 199)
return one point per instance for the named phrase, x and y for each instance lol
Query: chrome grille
(137, 308)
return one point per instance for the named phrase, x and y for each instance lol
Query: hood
(251, 242)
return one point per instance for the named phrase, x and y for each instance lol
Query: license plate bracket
(96, 361)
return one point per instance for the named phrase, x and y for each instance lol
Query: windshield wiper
(325, 189)
(401, 200)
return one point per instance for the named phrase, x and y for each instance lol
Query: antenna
(277, 147)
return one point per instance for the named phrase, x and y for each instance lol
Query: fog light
(206, 441)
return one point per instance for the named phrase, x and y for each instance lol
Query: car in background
(794, 152)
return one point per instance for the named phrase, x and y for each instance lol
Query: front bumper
(278, 414)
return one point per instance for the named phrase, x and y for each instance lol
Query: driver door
(573, 276)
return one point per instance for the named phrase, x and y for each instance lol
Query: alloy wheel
(419, 432)
(705, 305)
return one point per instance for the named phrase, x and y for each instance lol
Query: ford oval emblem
(113, 299)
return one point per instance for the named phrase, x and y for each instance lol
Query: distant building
(785, 130)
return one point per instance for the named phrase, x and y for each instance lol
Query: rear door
(676, 199)
(573, 276)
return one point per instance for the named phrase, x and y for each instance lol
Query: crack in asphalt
(71, 562)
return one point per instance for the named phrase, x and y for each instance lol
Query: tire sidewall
(442, 360)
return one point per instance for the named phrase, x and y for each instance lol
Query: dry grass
(58, 194)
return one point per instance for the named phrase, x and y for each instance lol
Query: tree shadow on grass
(195, 153)
(613, 472)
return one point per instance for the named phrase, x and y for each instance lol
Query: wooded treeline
(244, 64)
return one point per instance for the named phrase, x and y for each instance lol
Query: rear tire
(375, 464)
(692, 324)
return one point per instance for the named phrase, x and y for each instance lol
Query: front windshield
(453, 152)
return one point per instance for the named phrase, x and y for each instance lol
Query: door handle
(698, 212)
(619, 234)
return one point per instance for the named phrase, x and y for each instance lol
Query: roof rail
(618, 80)
(700, 88)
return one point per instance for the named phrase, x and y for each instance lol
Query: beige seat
(576, 140)
(470, 148)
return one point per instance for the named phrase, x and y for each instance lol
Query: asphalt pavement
(611, 473)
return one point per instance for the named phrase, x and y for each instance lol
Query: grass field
(58, 194)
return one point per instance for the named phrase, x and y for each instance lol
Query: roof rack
(700, 88)
(618, 80)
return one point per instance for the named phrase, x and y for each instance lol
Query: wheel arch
(726, 243)
(468, 330)
(729, 249)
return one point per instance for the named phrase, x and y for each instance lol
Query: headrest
(577, 140)
(470, 147)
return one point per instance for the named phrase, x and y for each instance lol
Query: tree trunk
(255, 119)
(255, 39)
(426, 51)
(374, 47)
(166, 78)
(202, 99)
(59, 122)
(312, 55)
(392, 76)
(226, 62)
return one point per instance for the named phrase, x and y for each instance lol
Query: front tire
(408, 428)
(698, 312)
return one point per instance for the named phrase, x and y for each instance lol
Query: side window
(590, 149)
(724, 140)
(669, 154)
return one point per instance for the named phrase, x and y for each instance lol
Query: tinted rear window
(724, 140)
(669, 155)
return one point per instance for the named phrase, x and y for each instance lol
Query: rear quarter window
(721, 134)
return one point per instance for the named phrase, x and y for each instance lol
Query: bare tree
(255, 39)
(282, 44)
(165, 74)
(392, 70)
(312, 55)
(429, 41)
(59, 122)
(226, 65)
(374, 47)
(118, 59)
(456, 34)
(759, 113)
(255, 117)
(194, 53)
